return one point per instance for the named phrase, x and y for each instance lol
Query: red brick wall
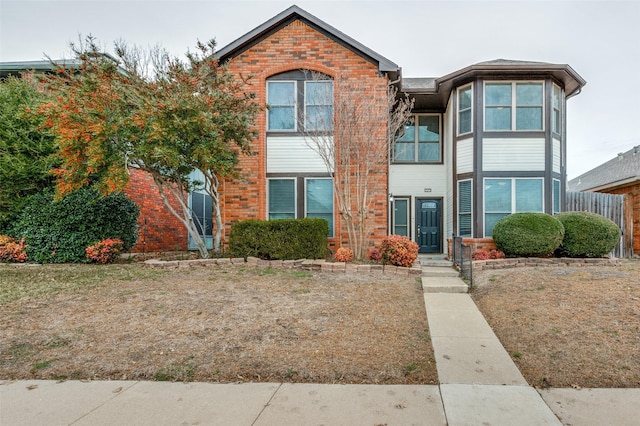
(633, 191)
(294, 47)
(159, 229)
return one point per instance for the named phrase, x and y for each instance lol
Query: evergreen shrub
(528, 234)
(399, 251)
(281, 239)
(59, 231)
(587, 234)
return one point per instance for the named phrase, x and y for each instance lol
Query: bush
(343, 254)
(374, 254)
(587, 234)
(60, 231)
(282, 239)
(528, 234)
(105, 251)
(399, 251)
(487, 255)
(12, 250)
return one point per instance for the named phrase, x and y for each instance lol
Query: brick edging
(519, 262)
(301, 264)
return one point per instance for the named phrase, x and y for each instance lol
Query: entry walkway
(479, 385)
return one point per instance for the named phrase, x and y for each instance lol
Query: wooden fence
(612, 206)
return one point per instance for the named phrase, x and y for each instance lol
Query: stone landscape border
(300, 264)
(520, 262)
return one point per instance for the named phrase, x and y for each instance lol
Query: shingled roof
(622, 170)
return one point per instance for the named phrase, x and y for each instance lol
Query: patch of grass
(21, 351)
(301, 291)
(177, 372)
(290, 373)
(267, 271)
(410, 368)
(517, 354)
(57, 342)
(42, 364)
(302, 274)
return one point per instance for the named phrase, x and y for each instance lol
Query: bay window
(465, 109)
(555, 118)
(513, 106)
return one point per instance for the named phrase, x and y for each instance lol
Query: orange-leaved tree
(146, 109)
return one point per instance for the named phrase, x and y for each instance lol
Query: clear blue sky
(600, 40)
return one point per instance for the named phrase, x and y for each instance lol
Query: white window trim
(295, 106)
(467, 86)
(333, 201)
(513, 106)
(393, 224)
(325, 105)
(513, 198)
(458, 205)
(295, 194)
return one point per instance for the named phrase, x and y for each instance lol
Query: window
(465, 102)
(201, 207)
(401, 216)
(513, 106)
(281, 97)
(555, 118)
(289, 90)
(556, 196)
(282, 199)
(318, 101)
(286, 194)
(420, 141)
(319, 200)
(465, 199)
(505, 196)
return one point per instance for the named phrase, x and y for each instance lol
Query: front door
(429, 225)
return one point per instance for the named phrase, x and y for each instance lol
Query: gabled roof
(439, 89)
(620, 171)
(291, 14)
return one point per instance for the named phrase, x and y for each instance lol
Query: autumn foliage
(399, 251)
(12, 250)
(343, 254)
(105, 251)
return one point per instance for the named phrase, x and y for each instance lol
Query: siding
(557, 159)
(513, 154)
(291, 154)
(464, 156)
(413, 179)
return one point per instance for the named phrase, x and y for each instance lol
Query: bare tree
(355, 142)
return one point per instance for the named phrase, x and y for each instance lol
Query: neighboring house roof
(291, 14)
(436, 91)
(620, 171)
(15, 68)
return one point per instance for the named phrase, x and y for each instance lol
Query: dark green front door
(429, 225)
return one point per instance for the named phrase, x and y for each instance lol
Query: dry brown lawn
(567, 326)
(218, 324)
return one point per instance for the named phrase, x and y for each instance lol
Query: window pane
(497, 118)
(409, 134)
(319, 105)
(529, 118)
(464, 225)
(556, 196)
(319, 93)
(319, 117)
(498, 94)
(282, 204)
(555, 118)
(528, 94)
(404, 151)
(497, 195)
(282, 110)
(320, 200)
(428, 128)
(490, 220)
(400, 217)
(429, 152)
(464, 99)
(464, 121)
(528, 195)
(464, 208)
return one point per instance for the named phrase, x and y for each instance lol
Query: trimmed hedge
(59, 231)
(281, 239)
(587, 234)
(528, 234)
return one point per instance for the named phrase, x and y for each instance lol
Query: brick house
(486, 141)
(620, 175)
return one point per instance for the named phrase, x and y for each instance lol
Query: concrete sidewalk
(479, 385)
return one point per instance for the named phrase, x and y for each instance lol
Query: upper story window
(556, 117)
(298, 101)
(465, 109)
(421, 141)
(513, 106)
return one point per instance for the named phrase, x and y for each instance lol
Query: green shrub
(60, 231)
(399, 251)
(528, 234)
(282, 239)
(587, 234)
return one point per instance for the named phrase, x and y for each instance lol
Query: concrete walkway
(479, 385)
